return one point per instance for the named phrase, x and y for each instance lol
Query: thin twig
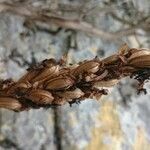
(36, 15)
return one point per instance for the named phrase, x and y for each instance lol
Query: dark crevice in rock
(125, 99)
(57, 130)
(7, 144)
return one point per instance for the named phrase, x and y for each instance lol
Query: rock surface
(108, 124)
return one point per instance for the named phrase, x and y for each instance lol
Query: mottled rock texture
(119, 121)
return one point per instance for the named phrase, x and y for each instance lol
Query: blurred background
(119, 121)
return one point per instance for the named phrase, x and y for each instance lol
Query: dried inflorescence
(51, 83)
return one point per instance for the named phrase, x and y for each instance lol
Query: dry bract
(127, 70)
(108, 83)
(59, 101)
(22, 86)
(124, 49)
(111, 59)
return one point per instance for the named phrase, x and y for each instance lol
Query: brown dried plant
(53, 83)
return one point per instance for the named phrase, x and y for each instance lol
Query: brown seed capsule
(141, 61)
(59, 83)
(88, 66)
(77, 93)
(46, 73)
(138, 54)
(10, 103)
(40, 96)
(141, 64)
(108, 83)
(28, 76)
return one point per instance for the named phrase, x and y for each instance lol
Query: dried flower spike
(51, 83)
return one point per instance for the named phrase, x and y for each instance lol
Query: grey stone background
(119, 121)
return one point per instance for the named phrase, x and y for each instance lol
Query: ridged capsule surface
(59, 83)
(10, 103)
(28, 76)
(77, 93)
(40, 96)
(88, 66)
(111, 59)
(140, 61)
(46, 73)
(138, 54)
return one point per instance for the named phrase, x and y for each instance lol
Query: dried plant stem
(53, 83)
(37, 15)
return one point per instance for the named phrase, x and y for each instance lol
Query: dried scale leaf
(96, 77)
(4, 84)
(124, 49)
(59, 101)
(22, 86)
(111, 59)
(127, 70)
(39, 96)
(108, 83)
(95, 93)
(10, 103)
(101, 76)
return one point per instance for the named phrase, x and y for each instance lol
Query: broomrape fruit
(88, 66)
(10, 103)
(138, 54)
(46, 73)
(40, 96)
(77, 93)
(140, 61)
(59, 83)
(28, 76)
